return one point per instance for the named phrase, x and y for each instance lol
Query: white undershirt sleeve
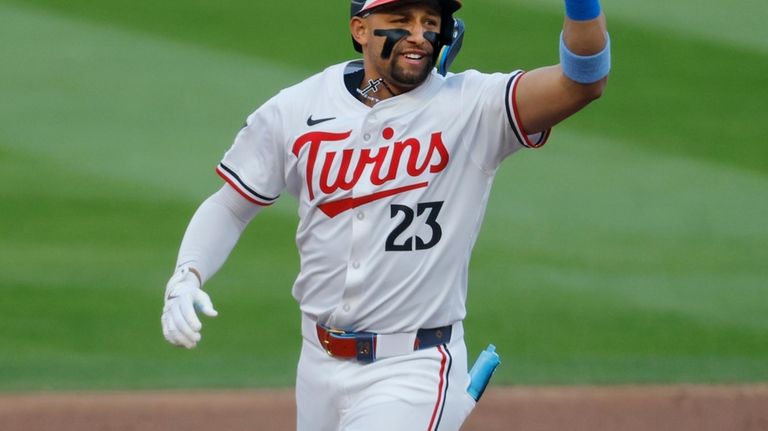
(214, 230)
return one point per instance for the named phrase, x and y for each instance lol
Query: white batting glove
(183, 295)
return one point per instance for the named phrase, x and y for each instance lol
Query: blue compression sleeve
(582, 10)
(586, 69)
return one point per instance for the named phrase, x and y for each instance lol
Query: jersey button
(346, 307)
(360, 215)
(367, 137)
(355, 264)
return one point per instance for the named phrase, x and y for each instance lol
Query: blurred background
(630, 249)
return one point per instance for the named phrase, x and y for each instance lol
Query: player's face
(411, 57)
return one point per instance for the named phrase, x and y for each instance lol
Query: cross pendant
(373, 85)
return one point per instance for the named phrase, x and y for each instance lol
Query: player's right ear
(359, 29)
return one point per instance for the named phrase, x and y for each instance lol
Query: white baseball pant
(421, 391)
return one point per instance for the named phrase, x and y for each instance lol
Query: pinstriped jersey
(391, 197)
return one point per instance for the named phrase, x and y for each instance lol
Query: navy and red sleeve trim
(234, 180)
(513, 116)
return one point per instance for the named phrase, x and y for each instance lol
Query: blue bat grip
(482, 371)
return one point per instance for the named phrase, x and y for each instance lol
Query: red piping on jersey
(334, 208)
(237, 189)
(440, 398)
(528, 142)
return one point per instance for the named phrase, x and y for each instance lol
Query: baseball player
(391, 159)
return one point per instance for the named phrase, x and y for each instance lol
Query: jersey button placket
(353, 280)
(369, 126)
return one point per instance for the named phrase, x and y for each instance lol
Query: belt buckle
(327, 341)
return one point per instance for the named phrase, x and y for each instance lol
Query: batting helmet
(447, 8)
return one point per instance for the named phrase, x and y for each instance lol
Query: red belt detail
(348, 345)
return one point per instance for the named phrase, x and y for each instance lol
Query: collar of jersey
(410, 98)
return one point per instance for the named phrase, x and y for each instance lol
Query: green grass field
(631, 249)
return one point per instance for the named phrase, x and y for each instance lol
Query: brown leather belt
(362, 345)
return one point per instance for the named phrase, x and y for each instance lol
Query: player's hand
(183, 295)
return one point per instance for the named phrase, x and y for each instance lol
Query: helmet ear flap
(355, 7)
(440, 41)
(449, 52)
(447, 24)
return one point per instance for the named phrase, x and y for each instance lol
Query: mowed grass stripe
(593, 251)
(709, 20)
(88, 240)
(596, 216)
(256, 29)
(667, 92)
(671, 91)
(124, 105)
(82, 280)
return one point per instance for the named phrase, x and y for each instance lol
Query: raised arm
(548, 95)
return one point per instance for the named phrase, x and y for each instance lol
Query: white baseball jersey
(391, 198)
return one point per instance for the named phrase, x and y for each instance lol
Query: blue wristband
(582, 10)
(586, 69)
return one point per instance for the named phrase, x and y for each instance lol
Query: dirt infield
(658, 408)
